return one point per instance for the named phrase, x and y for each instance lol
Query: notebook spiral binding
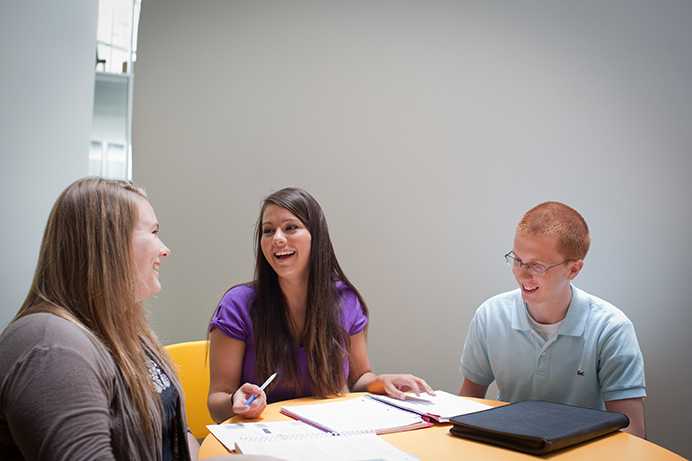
(272, 437)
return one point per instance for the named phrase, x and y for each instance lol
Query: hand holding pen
(250, 400)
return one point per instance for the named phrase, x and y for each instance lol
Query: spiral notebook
(296, 440)
(230, 433)
(359, 415)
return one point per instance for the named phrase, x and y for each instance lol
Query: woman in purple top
(300, 317)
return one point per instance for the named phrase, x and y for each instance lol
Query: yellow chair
(192, 366)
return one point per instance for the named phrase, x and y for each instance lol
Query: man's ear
(575, 268)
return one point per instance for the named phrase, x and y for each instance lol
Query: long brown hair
(325, 341)
(85, 274)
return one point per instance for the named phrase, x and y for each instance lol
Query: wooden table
(435, 443)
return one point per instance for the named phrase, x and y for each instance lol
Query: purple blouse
(232, 317)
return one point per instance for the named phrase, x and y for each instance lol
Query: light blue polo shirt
(594, 358)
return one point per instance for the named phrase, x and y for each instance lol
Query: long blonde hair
(85, 274)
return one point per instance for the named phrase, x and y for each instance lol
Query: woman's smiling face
(147, 250)
(285, 243)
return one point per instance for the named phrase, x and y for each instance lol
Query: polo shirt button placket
(541, 363)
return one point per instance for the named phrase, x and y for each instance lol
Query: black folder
(537, 427)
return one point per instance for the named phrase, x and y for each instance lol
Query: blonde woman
(82, 375)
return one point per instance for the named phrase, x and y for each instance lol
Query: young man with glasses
(549, 340)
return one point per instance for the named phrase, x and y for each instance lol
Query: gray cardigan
(62, 398)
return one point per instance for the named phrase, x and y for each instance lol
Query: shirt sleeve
(57, 407)
(621, 370)
(475, 364)
(354, 318)
(232, 316)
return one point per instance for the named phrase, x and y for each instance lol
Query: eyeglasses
(534, 268)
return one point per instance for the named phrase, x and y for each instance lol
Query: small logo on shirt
(580, 372)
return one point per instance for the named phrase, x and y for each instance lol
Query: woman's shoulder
(242, 294)
(346, 293)
(343, 289)
(232, 316)
(46, 328)
(348, 296)
(236, 303)
(48, 332)
(353, 317)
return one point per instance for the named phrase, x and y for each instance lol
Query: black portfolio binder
(537, 427)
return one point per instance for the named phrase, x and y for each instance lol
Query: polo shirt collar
(573, 324)
(520, 314)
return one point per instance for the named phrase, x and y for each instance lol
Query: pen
(252, 398)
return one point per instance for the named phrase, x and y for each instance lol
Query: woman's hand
(255, 408)
(395, 385)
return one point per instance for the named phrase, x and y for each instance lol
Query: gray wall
(426, 129)
(46, 104)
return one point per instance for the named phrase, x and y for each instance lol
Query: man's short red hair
(557, 219)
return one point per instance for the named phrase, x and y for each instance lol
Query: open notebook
(359, 415)
(382, 415)
(230, 433)
(295, 440)
(439, 407)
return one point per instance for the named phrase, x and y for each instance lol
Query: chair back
(189, 359)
